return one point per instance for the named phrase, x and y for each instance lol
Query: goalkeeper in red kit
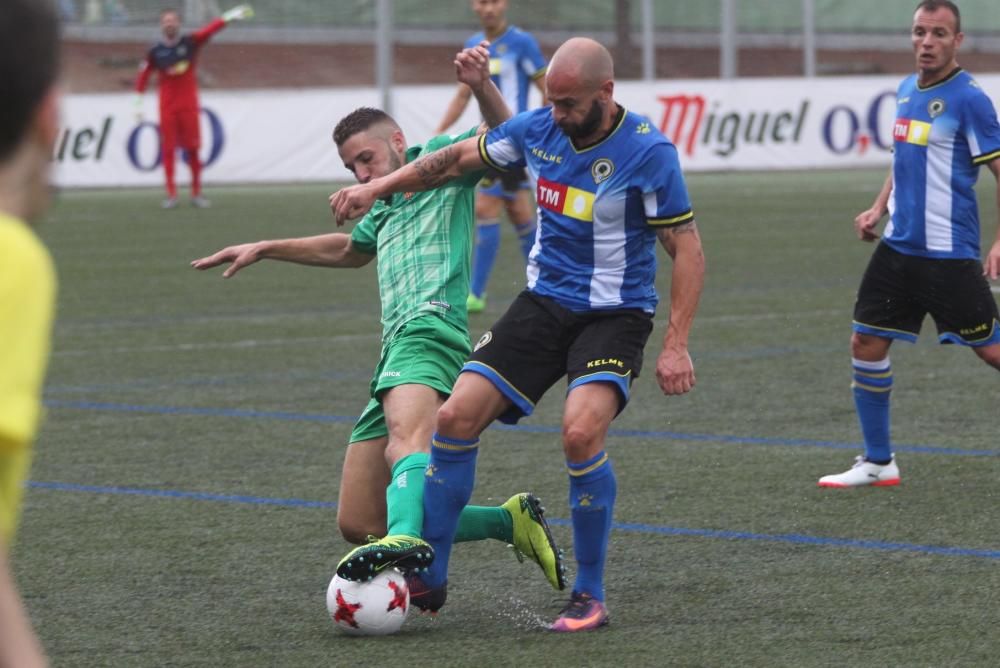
(175, 59)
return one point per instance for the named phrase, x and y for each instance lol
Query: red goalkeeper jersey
(176, 64)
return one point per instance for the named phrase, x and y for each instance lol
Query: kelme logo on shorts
(483, 340)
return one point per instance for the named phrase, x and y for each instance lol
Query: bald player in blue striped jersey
(609, 187)
(929, 258)
(516, 62)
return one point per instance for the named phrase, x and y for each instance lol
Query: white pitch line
(251, 318)
(190, 347)
(774, 315)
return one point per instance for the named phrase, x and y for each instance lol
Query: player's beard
(588, 126)
(394, 161)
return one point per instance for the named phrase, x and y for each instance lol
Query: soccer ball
(374, 608)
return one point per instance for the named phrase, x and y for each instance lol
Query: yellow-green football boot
(475, 304)
(532, 538)
(407, 553)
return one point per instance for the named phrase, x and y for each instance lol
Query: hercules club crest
(601, 170)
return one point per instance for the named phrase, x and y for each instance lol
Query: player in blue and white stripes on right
(929, 258)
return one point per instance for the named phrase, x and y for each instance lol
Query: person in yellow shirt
(29, 123)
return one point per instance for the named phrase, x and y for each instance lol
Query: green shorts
(425, 351)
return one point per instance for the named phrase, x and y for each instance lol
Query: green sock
(404, 497)
(482, 522)
(404, 502)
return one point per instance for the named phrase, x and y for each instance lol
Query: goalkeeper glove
(137, 104)
(238, 13)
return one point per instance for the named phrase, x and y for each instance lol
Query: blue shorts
(504, 185)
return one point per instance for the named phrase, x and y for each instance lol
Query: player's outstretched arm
(674, 368)
(425, 173)
(472, 68)
(238, 13)
(325, 250)
(866, 221)
(991, 267)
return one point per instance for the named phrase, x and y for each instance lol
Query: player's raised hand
(239, 256)
(472, 65)
(991, 268)
(675, 371)
(351, 202)
(238, 13)
(864, 224)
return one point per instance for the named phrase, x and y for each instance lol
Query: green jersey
(423, 242)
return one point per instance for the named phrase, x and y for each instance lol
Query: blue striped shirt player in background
(929, 258)
(609, 188)
(515, 62)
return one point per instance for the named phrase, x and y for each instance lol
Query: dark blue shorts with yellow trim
(537, 342)
(899, 290)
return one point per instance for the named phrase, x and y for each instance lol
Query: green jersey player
(423, 241)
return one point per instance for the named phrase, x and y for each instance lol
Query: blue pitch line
(220, 381)
(176, 494)
(802, 539)
(799, 539)
(532, 429)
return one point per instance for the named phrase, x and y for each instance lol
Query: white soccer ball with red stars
(374, 608)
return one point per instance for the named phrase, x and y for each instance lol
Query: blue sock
(484, 255)
(592, 489)
(451, 474)
(526, 236)
(872, 386)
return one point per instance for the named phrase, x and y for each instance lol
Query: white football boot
(864, 473)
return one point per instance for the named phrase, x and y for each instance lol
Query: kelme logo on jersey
(935, 107)
(601, 170)
(911, 132)
(483, 340)
(566, 200)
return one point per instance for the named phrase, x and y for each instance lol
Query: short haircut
(360, 120)
(170, 10)
(29, 65)
(934, 5)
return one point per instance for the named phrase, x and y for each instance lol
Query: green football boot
(532, 538)
(406, 553)
(475, 304)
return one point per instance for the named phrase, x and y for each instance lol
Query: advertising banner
(286, 135)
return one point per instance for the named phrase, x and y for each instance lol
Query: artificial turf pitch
(181, 510)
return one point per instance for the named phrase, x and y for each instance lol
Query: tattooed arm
(674, 369)
(425, 173)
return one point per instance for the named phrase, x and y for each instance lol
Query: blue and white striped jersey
(515, 61)
(942, 135)
(599, 207)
